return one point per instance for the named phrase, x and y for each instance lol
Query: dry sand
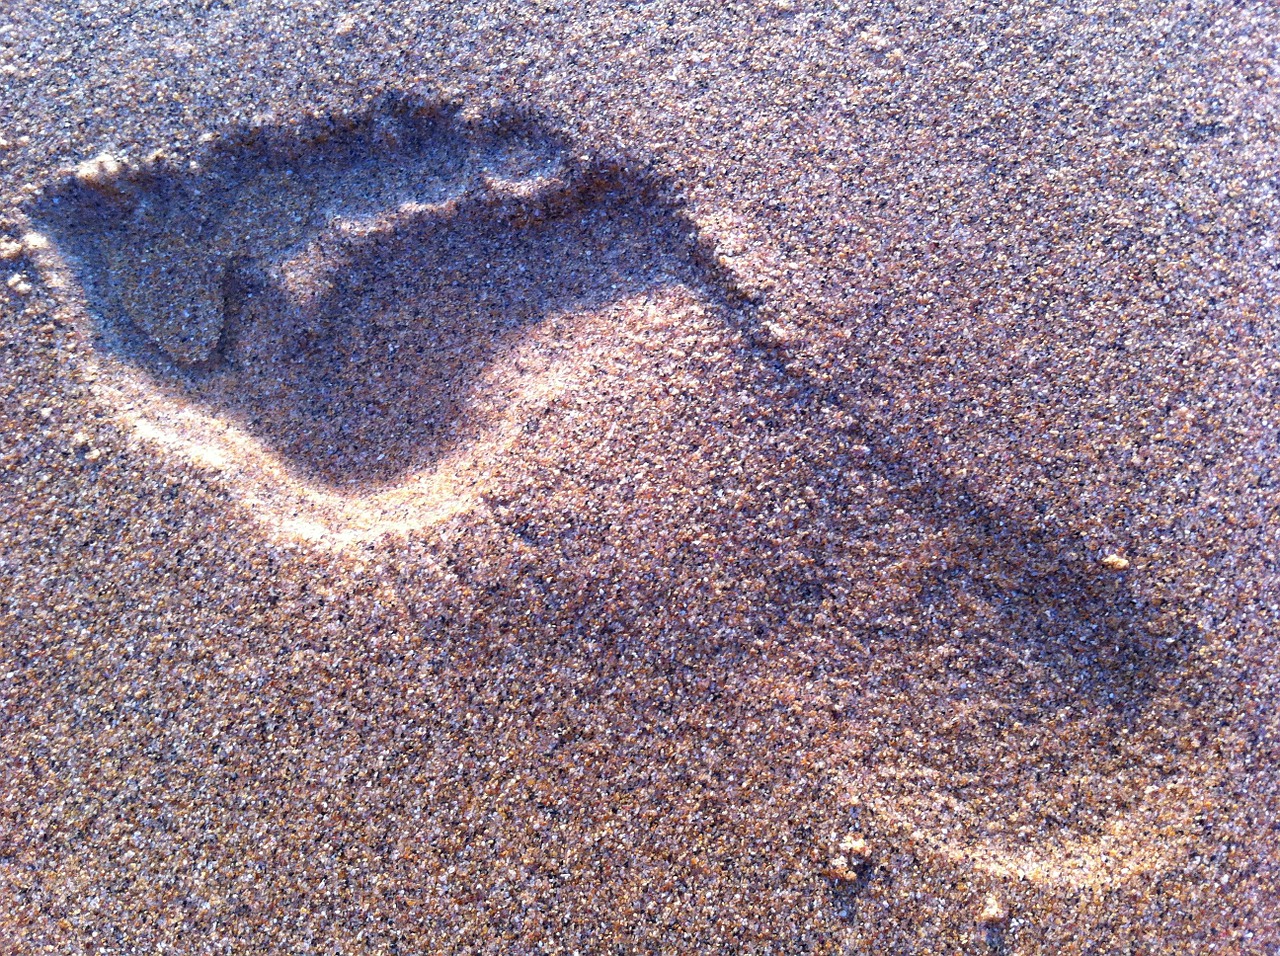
(725, 478)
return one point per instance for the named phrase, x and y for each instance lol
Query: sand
(586, 478)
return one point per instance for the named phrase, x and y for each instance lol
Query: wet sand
(548, 478)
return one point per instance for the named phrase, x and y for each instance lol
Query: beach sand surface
(639, 478)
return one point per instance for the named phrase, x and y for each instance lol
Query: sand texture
(684, 478)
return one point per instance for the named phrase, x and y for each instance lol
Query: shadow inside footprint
(341, 293)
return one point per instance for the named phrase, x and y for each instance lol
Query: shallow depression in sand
(358, 323)
(353, 319)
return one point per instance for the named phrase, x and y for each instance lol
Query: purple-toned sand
(539, 477)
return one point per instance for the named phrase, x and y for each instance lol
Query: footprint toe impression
(169, 280)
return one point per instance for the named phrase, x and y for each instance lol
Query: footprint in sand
(347, 315)
(352, 319)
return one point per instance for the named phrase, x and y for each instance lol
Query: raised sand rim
(350, 318)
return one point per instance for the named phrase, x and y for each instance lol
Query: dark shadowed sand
(647, 478)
